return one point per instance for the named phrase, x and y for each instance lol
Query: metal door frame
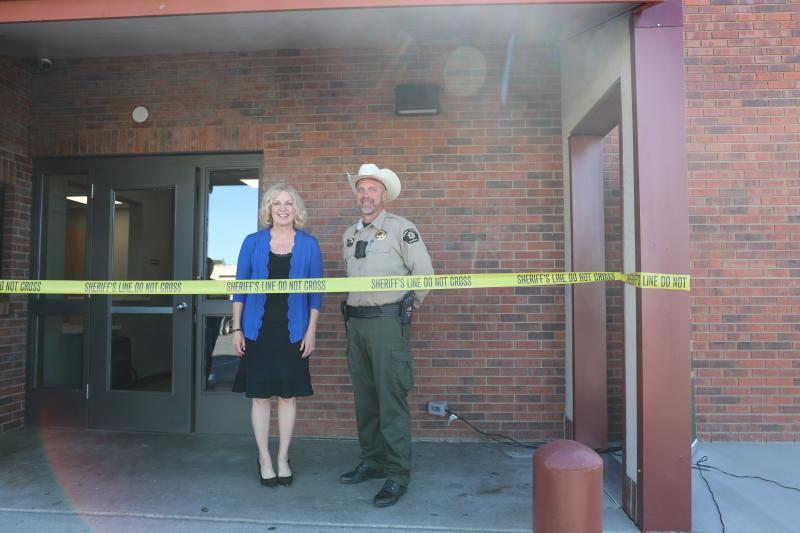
(70, 407)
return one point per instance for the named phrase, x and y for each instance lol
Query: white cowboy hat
(384, 175)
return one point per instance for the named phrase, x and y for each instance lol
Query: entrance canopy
(54, 29)
(515, 164)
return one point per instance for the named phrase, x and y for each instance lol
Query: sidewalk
(70, 480)
(747, 505)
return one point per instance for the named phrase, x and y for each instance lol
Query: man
(378, 344)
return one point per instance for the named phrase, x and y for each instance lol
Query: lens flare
(465, 71)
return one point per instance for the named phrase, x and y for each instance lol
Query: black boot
(361, 473)
(389, 494)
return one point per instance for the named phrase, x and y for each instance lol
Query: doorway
(138, 362)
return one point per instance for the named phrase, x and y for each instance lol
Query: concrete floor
(69, 480)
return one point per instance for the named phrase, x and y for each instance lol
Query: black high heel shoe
(286, 480)
(271, 482)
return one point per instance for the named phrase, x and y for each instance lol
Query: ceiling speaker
(416, 99)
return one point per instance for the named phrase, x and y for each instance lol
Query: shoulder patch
(410, 235)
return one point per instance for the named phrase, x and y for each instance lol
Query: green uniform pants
(379, 358)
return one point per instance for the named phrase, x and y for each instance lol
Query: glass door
(141, 356)
(229, 200)
(59, 324)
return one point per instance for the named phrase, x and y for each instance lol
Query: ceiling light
(84, 200)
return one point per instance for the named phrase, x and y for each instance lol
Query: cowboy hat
(384, 175)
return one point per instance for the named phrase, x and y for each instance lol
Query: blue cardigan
(306, 262)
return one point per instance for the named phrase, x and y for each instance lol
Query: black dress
(272, 365)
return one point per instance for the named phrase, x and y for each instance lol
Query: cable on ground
(702, 466)
(509, 441)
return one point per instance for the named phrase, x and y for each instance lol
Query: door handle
(181, 306)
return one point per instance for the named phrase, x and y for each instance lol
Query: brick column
(15, 177)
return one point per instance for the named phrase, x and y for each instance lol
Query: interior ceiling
(340, 28)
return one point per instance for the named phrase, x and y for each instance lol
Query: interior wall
(119, 264)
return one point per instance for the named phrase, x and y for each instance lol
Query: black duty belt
(373, 311)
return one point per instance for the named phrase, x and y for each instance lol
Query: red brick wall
(15, 175)
(615, 334)
(483, 182)
(743, 97)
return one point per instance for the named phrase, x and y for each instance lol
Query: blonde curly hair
(265, 211)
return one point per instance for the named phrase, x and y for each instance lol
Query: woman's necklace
(282, 245)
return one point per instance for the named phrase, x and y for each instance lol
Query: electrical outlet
(437, 407)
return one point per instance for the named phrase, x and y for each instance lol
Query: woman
(274, 334)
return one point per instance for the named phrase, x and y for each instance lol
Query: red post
(567, 488)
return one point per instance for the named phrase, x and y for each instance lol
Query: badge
(380, 235)
(410, 236)
(350, 242)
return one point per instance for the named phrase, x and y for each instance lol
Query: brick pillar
(15, 178)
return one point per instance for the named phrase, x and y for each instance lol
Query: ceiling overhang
(52, 10)
(113, 29)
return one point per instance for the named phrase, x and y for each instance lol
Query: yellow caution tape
(642, 280)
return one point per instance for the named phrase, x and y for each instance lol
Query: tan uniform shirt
(394, 248)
